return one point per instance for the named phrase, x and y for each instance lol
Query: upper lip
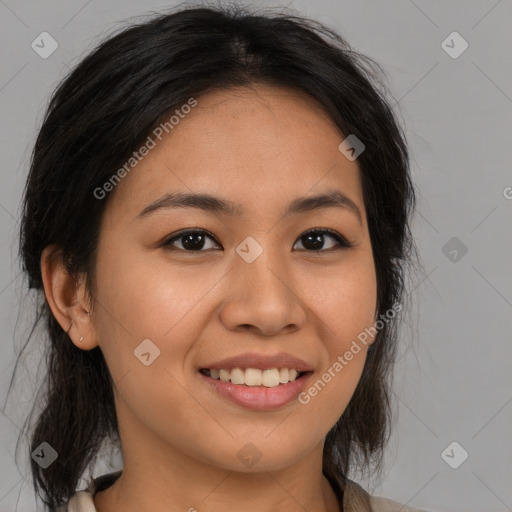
(262, 362)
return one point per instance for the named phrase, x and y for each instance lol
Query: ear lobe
(66, 297)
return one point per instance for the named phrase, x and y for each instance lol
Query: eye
(195, 240)
(313, 240)
(191, 240)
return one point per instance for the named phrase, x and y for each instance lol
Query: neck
(161, 478)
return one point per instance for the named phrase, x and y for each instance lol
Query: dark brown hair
(106, 108)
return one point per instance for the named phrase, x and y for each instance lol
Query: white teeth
(252, 377)
(237, 376)
(270, 378)
(255, 377)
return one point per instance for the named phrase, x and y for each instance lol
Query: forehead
(257, 146)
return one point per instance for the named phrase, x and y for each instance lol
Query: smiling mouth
(254, 377)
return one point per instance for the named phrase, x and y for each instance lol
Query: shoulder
(83, 501)
(380, 504)
(357, 499)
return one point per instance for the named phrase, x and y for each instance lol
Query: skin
(261, 147)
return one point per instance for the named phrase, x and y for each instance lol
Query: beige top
(355, 498)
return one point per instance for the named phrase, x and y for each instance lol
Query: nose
(263, 297)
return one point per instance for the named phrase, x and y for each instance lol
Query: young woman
(217, 218)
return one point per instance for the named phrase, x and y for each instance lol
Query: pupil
(314, 242)
(188, 241)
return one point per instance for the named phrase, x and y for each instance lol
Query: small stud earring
(81, 339)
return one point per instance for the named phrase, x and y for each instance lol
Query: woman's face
(252, 287)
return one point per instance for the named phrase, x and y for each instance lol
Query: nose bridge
(262, 268)
(262, 293)
(266, 274)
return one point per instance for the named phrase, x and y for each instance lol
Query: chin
(257, 454)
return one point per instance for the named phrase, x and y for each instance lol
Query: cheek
(346, 316)
(145, 295)
(345, 305)
(138, 300)
(346, 299)
(134, 306)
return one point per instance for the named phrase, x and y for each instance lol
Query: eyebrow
(209, 203)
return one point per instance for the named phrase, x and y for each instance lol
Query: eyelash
(343, 242)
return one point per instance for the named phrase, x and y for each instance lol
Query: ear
(67, 299)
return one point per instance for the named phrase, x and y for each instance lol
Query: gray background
(453, 381)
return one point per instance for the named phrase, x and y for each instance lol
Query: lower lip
(259, 398)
